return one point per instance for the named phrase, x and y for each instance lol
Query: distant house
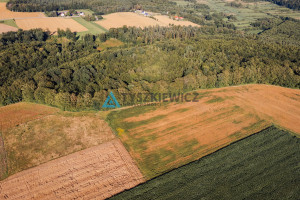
(176, 17)
(81, 13)
(180, 18)
(146, 14)
(62, 14)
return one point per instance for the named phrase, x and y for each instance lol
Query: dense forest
(293, 4)
(72, 74)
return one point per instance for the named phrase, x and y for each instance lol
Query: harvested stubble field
(7, 14)
(71, 155)
(166, 137)
(262, 166)
(166, 21)
(95, 173)
(51, 23)
(5, 28)
(120, 19)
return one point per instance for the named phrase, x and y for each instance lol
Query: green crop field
(92, 27)
(262, 166)
(10, 22)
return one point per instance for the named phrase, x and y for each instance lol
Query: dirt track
(95, 173)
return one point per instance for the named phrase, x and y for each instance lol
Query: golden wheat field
(116, 20)
(5, 28)
(51, 23)
(7, 14)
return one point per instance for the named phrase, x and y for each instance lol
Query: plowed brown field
(178, 133)
(120, 19)
(7, 14)
(95, 173)
(51, 23)
(16, 114)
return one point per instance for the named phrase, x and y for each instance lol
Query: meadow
(92, 27)
(261, 166)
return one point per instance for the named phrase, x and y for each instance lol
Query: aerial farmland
(139, 99)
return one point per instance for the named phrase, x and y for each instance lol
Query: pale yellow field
(7, 14)
(5, 28)
(51, 23)
(165, 20)
(116, 20)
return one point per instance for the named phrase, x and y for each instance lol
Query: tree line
(72, 74)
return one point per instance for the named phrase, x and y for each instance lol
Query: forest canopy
(73, 74)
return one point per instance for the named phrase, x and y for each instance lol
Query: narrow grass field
(10, 22)
(262, 166)
(92, 27)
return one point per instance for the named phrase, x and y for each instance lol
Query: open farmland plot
(19, 113)
(41, 140)
(51, 23)
(5, 28)
(95, 173)
(163, 138)
(163, 19)
(262, 166)
(116, 20)
(7, 14)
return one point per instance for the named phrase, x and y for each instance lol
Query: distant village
(67, 13)
(74, 13)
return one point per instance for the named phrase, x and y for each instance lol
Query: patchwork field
(166, 137)
(250, 11)
(5, 28)
(262, 166)
(7, 14)
(95, 173)
(51, 23)
(120, 19)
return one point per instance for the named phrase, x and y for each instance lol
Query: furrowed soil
(95, 173)
(120, 19)
(165, 137)
(262, 166)
(7, 14)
